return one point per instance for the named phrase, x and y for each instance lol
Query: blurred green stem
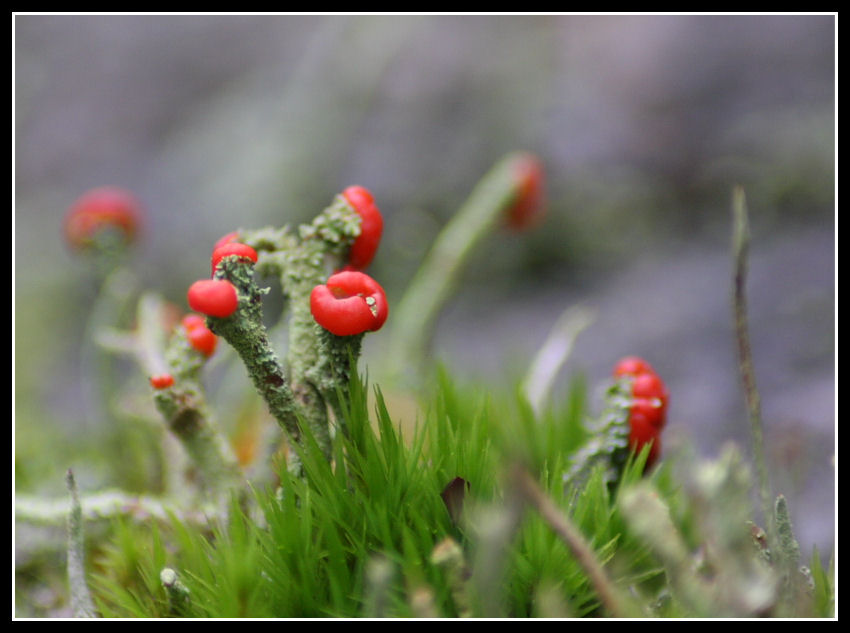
(648, 517)
(97, 372)
(413, 320)
(552, 355)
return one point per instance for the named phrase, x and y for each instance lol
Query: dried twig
(570, 535)
(740, 245)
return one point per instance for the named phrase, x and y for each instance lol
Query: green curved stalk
(414, 317)
(537, 385)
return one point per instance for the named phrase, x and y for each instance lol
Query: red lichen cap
(199, 335)
(233, 236)
(349, 303)
(371, 227)
(213, 297)
(529, 206)
(98, 209)
(648, 408)
(641, 432)
(232, 248)
(161, 381)
(632, 366)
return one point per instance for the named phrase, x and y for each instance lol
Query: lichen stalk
(184, 409)
(322, 248)
(245, 332)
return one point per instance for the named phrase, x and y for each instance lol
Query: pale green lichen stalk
(332, 374)
(316, 368)
(321, 249)
(318, 363)
(608, 442)
(184, 408)
(245, 332)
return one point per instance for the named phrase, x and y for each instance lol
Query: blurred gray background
(644, 123)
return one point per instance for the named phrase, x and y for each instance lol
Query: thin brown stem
(570, 535)
(740, 248)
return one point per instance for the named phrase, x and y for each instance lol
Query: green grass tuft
(369, 534)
